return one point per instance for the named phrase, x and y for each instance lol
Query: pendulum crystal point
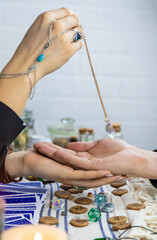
(108, 208)
(110, 129)
(94, 214)
(57, 204)
(100, 200)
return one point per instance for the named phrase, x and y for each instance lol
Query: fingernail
(109, 175)
(121, 178)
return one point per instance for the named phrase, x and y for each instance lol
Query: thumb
(81, 146)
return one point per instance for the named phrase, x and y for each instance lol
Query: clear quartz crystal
(110, 129)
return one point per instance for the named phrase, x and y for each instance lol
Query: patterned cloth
(138, 191)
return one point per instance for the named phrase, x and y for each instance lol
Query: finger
(61, 13)
(49, 149)
(81, 146)
(67, 158)
(83, 175)
(66, 23)
(70, 34)
(93, 183)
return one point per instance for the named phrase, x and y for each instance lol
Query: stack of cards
(24, 201)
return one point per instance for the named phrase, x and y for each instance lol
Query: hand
(114, 155)
(31, 163)
(36, 37)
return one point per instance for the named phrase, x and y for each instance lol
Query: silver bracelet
(33, 68)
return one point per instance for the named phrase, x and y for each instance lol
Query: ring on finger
(77, 36)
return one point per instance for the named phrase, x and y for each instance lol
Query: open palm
(110, 154)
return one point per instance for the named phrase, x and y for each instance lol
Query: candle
(2, 206)
(40, 232)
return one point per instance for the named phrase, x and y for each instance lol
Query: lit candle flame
(38, 236)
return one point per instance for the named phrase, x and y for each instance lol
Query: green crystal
(94, 214)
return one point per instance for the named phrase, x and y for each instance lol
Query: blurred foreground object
(39, 232)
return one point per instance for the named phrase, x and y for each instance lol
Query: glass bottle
(21, 141)
(62, 133)
(83, 134)
(90, 135)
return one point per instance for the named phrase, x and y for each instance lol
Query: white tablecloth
(138, 191)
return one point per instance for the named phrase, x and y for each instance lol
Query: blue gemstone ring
(77, 36)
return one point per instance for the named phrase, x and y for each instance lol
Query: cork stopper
(90, 130)
(117, 127)
(83, 130)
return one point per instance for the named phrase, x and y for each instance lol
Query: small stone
(100, 200)
(40, 57)
(108, 208)
(94, 214)
(63, 213)
(77, 36)
(57, 204)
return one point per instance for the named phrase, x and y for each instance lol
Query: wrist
(146, 164)
(13, 164)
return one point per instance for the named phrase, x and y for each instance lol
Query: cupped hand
(31, 163)
(37, 36)
(112, 154)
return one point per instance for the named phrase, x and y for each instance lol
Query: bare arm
(15, 91)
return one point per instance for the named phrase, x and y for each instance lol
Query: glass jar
(21, 141)
(90, 135)
(63, 132)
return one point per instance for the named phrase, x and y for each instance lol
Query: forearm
(146, 164)
(15, 91)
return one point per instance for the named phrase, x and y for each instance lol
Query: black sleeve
(10, 127)
(154, 182)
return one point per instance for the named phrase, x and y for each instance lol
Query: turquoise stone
(108, 208)
(40, 58)
(100, 200)
(94, 214)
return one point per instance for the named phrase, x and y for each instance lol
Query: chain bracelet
(33, 68)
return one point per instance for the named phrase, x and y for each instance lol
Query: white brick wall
(122, 38)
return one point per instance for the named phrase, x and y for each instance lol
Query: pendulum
(100, 200)
(110, 129)
(94, 214)
(57, 204)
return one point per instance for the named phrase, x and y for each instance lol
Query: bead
(108, 208)
(63, 213)
(77, 36)
(100, 200)
(94, 214)
(57, 204)
(40, 57)
(47, 45)
(32, 67)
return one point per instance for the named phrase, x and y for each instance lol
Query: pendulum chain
(110, 129)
